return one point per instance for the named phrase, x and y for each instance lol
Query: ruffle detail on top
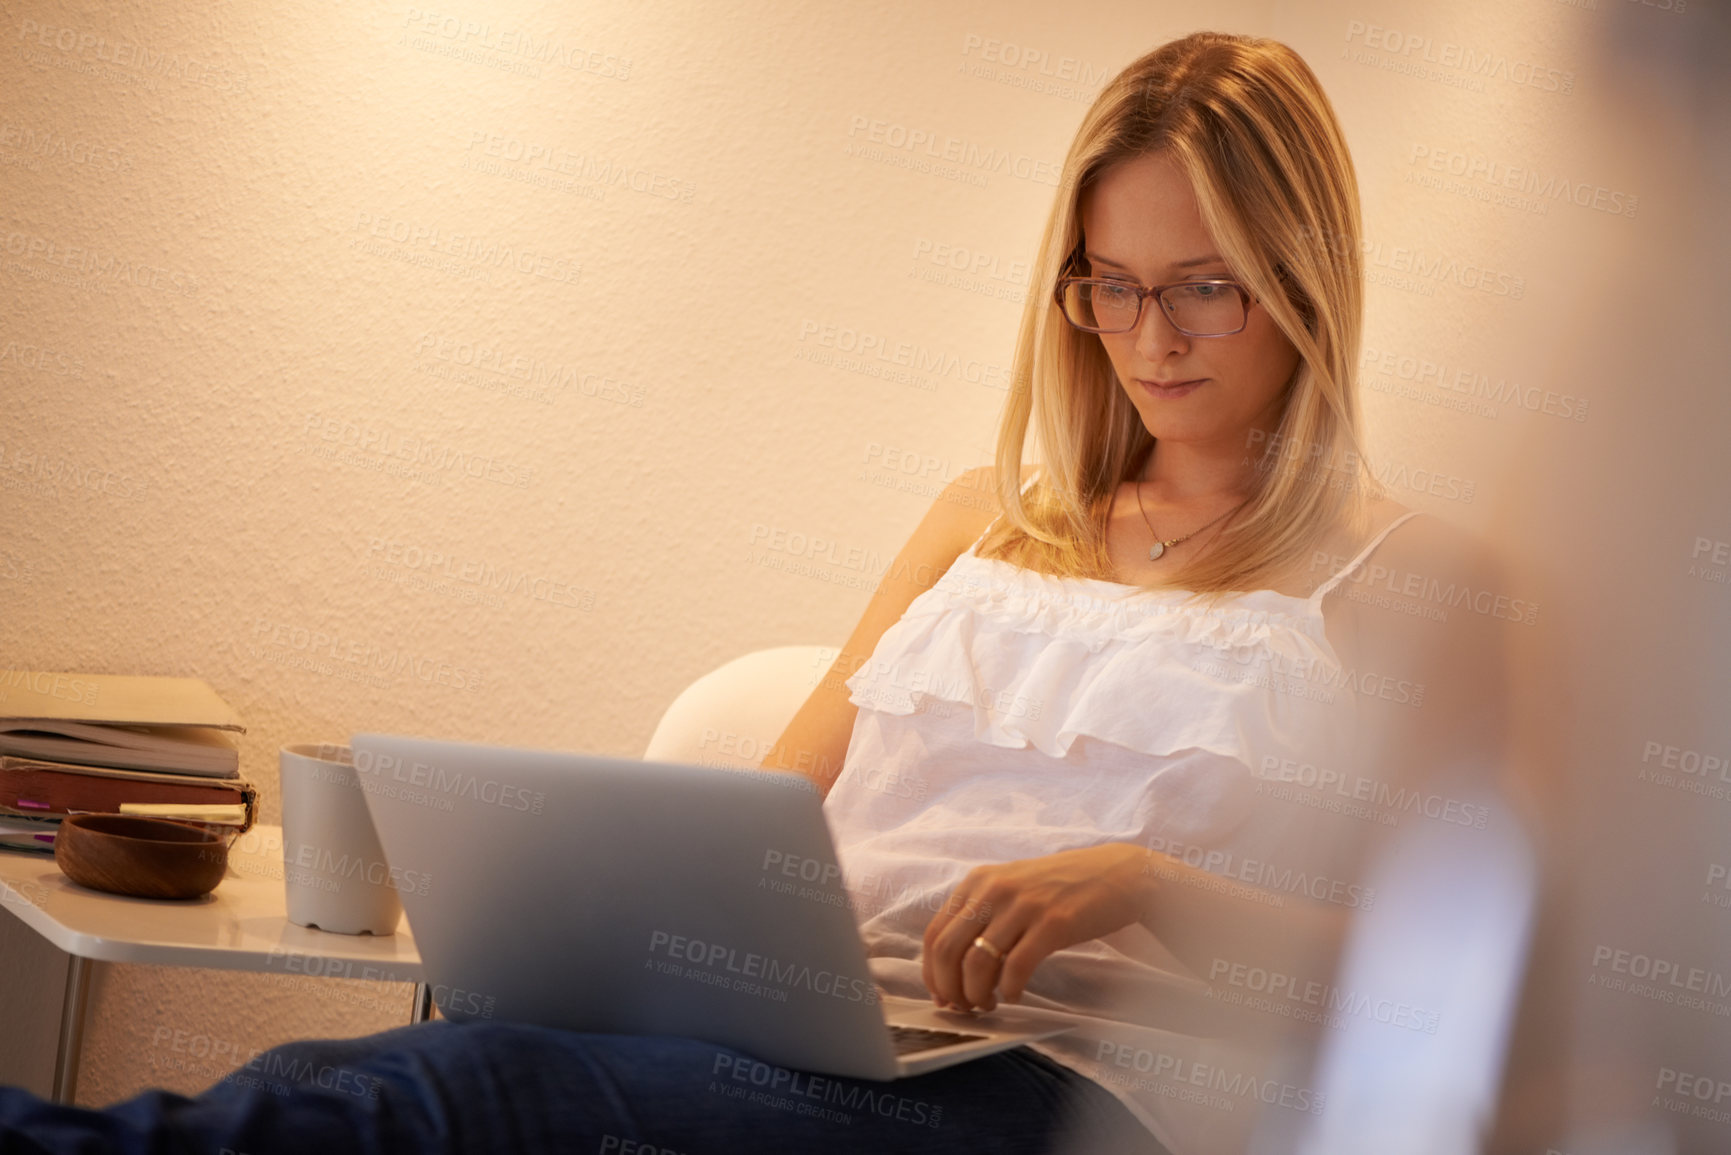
(1043, 660)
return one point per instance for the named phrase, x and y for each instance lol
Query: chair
(732, 715)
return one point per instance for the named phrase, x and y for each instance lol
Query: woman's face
(1142, 224)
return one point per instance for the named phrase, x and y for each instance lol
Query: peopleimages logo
(383, 769)
(1422, 271)
(326, 651)
(130, 57)
(93, 267)
(38, 359)
(1471, 384)
(1710, 560)
(1474, 167)
(801, 1092)
(1386, 799)
(460, 247)
(1703, 1089)
(718, 961)
(1697, 980)
(376, 445)
(910, 355)
(66, 687)
(1036, 60)
(1267, 875)
(1311, 1000)
(479, 37)
(932, 146)
(1234, 1086)
(44, 143)
(1373, 575)
(315, 861)
(477, 573)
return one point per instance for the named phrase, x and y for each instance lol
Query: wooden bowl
(141, 857)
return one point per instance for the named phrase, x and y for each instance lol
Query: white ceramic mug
(334, 869)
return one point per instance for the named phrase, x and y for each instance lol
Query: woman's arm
(1034, 907)
(815, 742)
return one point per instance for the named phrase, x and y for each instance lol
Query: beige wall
(387, 378)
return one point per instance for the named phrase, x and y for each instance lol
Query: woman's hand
(1028, 909)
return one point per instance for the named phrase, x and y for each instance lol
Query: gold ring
(989, 948)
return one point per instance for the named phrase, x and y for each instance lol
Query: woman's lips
(1169, 391)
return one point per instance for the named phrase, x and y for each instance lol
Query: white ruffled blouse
(1013, 714)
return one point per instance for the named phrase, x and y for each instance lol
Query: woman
(1086, 702)
(1099, 695)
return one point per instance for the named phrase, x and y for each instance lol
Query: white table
(242, 925)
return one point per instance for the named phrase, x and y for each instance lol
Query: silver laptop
(624, 897)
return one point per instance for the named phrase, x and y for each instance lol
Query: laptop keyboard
(909, 1040)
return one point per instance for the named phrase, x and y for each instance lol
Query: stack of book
(106, 744)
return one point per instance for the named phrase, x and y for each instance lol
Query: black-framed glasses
(1210, 307)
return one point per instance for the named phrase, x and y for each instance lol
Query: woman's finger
(1051, 932)
(968, 972)
(981, 966)
(958, 906)
(952, 930)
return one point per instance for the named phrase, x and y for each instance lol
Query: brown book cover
(40, 789)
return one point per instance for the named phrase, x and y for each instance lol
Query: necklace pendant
(1155, 550)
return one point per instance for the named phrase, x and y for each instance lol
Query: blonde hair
(1247, 122)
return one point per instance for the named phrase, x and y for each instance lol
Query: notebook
(617, 896)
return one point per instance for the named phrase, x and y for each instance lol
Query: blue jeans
(505, 1087)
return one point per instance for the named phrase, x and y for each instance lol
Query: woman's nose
(1155, 336)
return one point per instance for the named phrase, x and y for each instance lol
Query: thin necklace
(1159, 547)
